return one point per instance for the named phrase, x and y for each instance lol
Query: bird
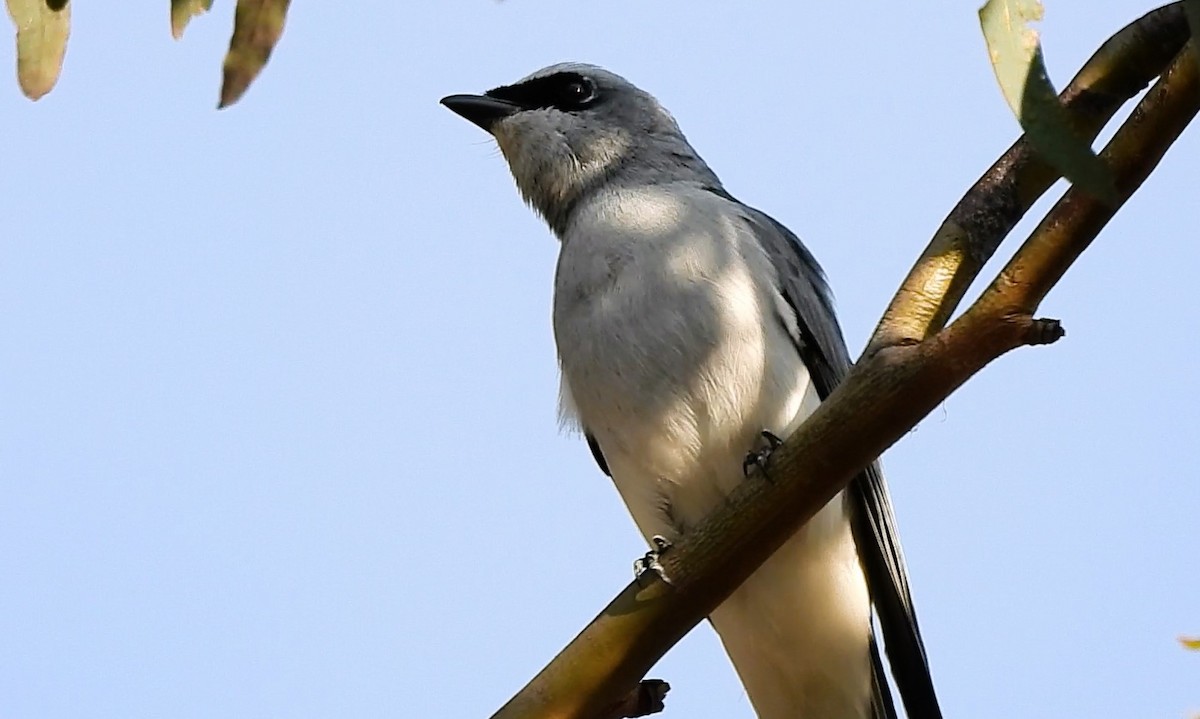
(688, 327)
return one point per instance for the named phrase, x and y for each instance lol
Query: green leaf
(42, 30)
(1016, 55)
(182, 11)
(1191, 8)
(257, 25)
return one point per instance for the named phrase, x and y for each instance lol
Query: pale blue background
(277, 384)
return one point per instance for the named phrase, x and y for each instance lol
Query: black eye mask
(566, 91)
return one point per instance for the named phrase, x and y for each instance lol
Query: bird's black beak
(480, 109)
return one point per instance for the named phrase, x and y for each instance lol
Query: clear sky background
(277, 384)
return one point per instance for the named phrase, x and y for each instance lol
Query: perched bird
(687, 325)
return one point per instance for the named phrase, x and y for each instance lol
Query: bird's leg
(757, 459)
(649, 562)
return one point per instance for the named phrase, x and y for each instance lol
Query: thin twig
(1077, 218)
(973, 230)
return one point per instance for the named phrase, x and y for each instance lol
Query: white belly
(675, 359)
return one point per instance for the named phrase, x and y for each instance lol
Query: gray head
(570, 129)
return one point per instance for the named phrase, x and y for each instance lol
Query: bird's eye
(578, 93)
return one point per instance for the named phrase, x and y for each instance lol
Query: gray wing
(596, 453)
(823, 350)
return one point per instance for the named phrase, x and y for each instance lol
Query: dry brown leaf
(257, 26)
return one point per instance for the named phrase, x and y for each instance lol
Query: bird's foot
(649, 562)
(645, 699)
(757, 459)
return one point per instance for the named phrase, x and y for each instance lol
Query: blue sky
(277, 384)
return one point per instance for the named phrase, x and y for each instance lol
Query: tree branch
(1077, 218)
(972, 232)
(911, 365)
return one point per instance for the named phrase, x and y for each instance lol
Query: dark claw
(646, 698)
(649, 562)
(757, 459)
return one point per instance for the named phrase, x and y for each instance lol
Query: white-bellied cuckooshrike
(688, 324)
